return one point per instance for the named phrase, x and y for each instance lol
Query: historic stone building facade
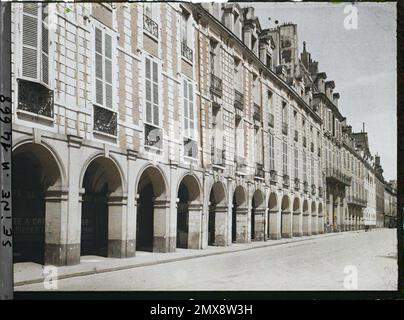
(162, 126)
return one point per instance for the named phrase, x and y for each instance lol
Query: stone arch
(286, 221)
(46, 154)
(153, 207)
(156, 177)
(239, 215)
(103, 208)
(314, 218)
(217, 223)
(273, 201)
(297, 218)
(273, 231)
(313, 208)
(320, 218)
(306, 218)
(257, 216)
(39, 203)
(189, 213)
(320, 209)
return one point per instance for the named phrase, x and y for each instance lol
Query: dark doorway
(234, 220)
(253, 220)
(182, 217)
(28, 189)
(145, 221)
(94, 213)
(212, 216)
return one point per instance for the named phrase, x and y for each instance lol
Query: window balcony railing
(297, 184)
(257, 112)
(240, 163)
(356, 201)
(218, 156)
(305, 186)
(296, 137)
(35, 97)
(153, 136)
(190, 148)
(313, 189)
(150, 26)
(238, 100)
(259, 170)
(216, 85)
(286, 180)
(273, 176)
(105, 121)
(284, 128)
(336, 175)
(271, 120)
(187, 52)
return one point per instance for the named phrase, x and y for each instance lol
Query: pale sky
(362, 63)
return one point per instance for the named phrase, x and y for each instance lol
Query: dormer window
(269, 61)
(253, 43)
(236, 26)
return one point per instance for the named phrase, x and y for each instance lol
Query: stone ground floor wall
(144, 204)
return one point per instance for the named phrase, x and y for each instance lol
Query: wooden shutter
(45, 44)
(30, 41)
(99, 74)
(108, 71)
(156, 110)
(186, 110)
(148, 90)
(191, 110)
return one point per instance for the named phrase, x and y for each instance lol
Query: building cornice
(333, 107)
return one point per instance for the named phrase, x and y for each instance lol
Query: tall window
(329, 120)
(239, 143)
(103, 68)
(258, 145)
(184, 26)
(35, 42)
(284, 113)
(296, 163)
(285, 157)
(304, 166)
(271, 151)
(152, 92)
(312, 170)
(189, 112)
(214, 57)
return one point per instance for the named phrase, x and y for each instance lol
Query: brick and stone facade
(158, 126)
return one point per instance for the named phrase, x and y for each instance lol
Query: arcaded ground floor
(74, 198)
(360, 260)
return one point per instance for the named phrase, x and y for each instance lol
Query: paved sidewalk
(28, 273)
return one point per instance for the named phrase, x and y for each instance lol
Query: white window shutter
(99, 74)
(108, 71)
(30, 41)
(191, 110)
(45, 44)
(156, 120)
(148, 90)
(186, 115)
